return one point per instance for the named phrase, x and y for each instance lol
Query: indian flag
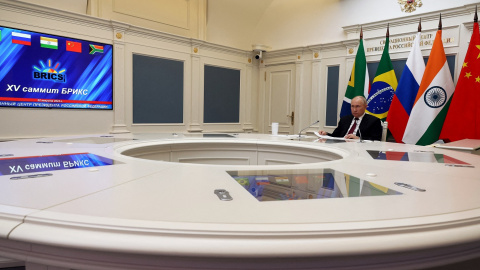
(50, 43)
(433, 98)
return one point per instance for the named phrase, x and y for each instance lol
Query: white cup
(274, 129)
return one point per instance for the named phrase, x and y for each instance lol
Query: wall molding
(59, 15)
(411, 19)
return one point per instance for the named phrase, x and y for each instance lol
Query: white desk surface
(465, 144)
(147, 207)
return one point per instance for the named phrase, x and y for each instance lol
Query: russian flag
(262, 180)
(21, 38)
(404, 98)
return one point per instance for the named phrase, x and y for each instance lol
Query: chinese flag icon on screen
(73, 46)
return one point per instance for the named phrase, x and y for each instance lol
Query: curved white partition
(144, 211)
(239, 152)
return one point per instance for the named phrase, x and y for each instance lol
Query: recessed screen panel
(281, 185)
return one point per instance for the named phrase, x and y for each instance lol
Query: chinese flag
(463, 117)
(73, 46)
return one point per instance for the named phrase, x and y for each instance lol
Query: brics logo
(49, 76)
(49, 72)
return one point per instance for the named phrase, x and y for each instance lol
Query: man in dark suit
(351, 126)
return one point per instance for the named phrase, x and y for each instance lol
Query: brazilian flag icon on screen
(383, 86)
(95, 49)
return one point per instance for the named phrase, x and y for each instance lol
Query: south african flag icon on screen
(95, 49)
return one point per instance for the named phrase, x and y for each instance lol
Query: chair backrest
(384, 131)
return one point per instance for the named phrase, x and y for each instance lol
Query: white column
(119, 117)
(299, 121)
(316, 100)
(196, 98)
(248, 105)
(262, 118)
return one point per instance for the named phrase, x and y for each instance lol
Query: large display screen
(46, 71)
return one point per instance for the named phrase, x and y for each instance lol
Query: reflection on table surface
(95, 140)
(416, 156)
(209, 135)
(35, 164)
(301, 184)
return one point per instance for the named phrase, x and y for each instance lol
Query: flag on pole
(359, 82)
(433, 97)
(463, 117)
(383, 86)
(402, 102)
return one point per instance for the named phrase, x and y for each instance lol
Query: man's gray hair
(362, 98)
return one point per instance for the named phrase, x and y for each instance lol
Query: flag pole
(440, 22)
(475, 19)
(420, 25)
(384, 84)
(359, 83)
(459, 125)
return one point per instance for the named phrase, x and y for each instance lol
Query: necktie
(352, 129)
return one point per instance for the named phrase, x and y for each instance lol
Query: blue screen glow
(47, 71)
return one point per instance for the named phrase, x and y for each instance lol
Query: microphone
(299, 134)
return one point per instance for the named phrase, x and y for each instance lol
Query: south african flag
(95, 49)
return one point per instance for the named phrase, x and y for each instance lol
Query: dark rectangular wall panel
(333, 73)
(221, 95)
(157, 90)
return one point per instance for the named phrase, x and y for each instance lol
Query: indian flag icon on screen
(50, 43)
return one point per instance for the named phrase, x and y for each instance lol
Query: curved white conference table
(148, 201)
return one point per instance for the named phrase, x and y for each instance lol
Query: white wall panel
(180, 17)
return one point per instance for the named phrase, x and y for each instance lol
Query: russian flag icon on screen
(21, 38)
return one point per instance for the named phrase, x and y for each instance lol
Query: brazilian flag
(359, 82)
(383, 86)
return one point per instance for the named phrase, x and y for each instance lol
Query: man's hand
(351, 136)
(321, 132)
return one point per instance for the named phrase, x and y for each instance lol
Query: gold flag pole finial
(420, 25)
(388, 30)
(361, 32)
